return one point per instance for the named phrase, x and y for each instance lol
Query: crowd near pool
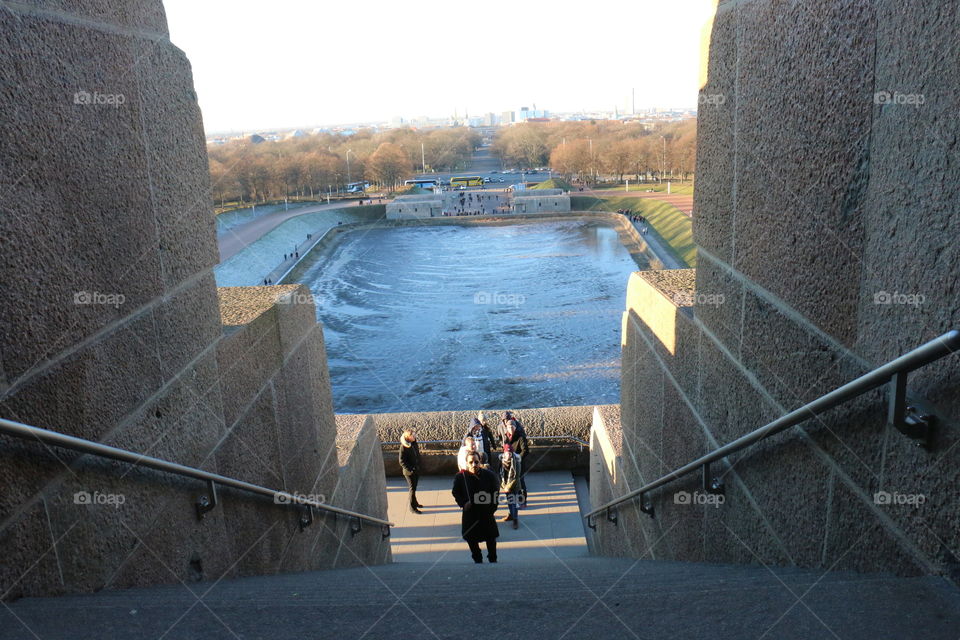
(458, 316)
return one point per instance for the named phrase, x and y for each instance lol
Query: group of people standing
(485, 478)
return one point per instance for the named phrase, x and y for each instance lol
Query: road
(486, 165)
(236, 239)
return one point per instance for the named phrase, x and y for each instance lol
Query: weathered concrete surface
(453, 425)
(361, 487)
(550, 528)
(547, 456)
(541, 203)
(826, 217)
(110, 324)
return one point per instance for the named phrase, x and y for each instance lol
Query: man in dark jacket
(410, 464)
(476, 492)
(484, 439)
(514, 435)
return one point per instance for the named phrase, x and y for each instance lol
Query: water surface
(461, 317)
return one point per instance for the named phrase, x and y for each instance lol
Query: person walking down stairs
(510, 483)
(475, 491)
(410, 464)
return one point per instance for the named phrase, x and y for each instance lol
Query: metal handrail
(19, 430)
(902, 416)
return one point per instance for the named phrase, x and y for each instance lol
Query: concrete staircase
(588, 597)
(545, 586)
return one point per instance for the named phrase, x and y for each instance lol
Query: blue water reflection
(460, 317)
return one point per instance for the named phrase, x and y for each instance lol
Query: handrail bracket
(208, 501)
(908, 419)
(306, 518)
(612, 514)
(646, 505)
(713, 486)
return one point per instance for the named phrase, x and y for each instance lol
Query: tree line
(586, 150)
(313, 165)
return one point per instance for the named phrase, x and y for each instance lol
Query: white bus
(423, 183)
(357, 187)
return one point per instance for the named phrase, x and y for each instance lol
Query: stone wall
(826, 213)
(361, 488)
(110, 324)
(541, 204)
(453, 425)
(416, 206)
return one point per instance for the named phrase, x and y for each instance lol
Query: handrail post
(612, 514)
(306, 518)
(355, 526)
(207, 502)
(712, 486)
(646, 506)
(906, 418)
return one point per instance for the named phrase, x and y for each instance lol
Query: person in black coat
(476, 491)
(410, 464)
(484, 439)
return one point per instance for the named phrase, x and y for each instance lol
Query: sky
(301, 63)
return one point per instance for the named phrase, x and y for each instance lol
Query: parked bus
(357, 187)
(424, 183)
(466, 181)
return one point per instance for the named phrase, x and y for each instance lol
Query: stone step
(570, 598)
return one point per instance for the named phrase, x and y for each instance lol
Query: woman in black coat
(476, 491)
(410, 464)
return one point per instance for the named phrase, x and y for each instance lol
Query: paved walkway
(550, 527)
(233, 241)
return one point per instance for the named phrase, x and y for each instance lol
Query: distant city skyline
(300, 65)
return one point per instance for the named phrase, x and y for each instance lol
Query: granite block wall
(111, 326)
(826, 214)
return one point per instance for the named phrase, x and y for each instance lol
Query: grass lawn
(668, 222)
(680, 188)
(555, 183)
(677, 188)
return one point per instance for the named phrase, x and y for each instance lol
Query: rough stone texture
(545, 203)
(453, 425)
(552, 456)
(819, 213)
(111, 327)
(361, 487)
(677, 285)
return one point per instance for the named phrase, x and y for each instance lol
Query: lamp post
(663, 158)
(349, 151)
(590, 140)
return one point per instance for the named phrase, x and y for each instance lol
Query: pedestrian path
(550, 527)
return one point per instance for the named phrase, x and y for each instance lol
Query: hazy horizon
(302, 65)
